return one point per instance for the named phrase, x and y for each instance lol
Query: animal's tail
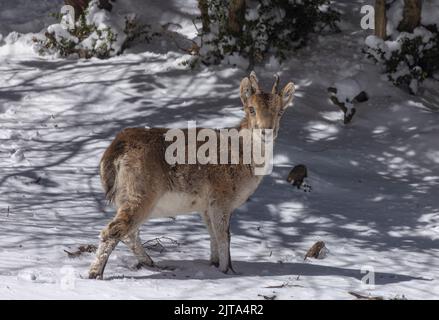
(108, 179)
(109, 168)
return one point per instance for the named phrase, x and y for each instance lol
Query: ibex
(140, 182)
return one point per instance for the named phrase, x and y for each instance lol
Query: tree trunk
(411, 15)
(78, 5)
(81, 5)
(380, 19)
(204, 10)
(105, 4)
(236, 16)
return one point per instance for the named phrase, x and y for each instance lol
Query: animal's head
(264, 110)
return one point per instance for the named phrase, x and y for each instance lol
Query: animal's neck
(245, 125)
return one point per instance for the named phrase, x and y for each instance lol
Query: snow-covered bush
(270, 27)
(96, 33)
(408, 58)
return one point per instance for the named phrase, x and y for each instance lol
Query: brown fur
(141, 184)
(137, 147)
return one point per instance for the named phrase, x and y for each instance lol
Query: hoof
(95, 275)
(226, 270)
(214, 263)
(145, 264)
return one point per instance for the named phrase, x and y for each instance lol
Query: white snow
(430, 13)
(374, 182)
(25, 16)
(61, 33)
(252, 14)
(394, 16)
(103, 20)
(347, 89)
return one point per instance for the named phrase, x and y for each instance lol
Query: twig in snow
(285, 285)
(364, 297)
(267, 297)
(90, 248)
(157, 244)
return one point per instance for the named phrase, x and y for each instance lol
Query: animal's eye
(251, 110)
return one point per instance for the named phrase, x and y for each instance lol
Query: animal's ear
(245, 90)
(255, 83)
(288, 94)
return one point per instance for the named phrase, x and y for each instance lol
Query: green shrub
(89, 39)
(409, 59)
(274, 27)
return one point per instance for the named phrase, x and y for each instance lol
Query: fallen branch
(364, 297)
(89, 248)
(285, 285)
(157, 244)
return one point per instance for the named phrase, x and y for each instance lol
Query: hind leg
(127, 219)
(102, 254)
(133, 242)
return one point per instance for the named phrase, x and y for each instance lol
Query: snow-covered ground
(374, 182)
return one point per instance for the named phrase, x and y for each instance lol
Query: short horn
(275, 89)
(255, 83)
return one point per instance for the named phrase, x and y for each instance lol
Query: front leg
(221, 228)
(214, 256)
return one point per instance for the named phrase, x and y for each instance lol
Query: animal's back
(136, 157)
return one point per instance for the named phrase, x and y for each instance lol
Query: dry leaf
(317, 251)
